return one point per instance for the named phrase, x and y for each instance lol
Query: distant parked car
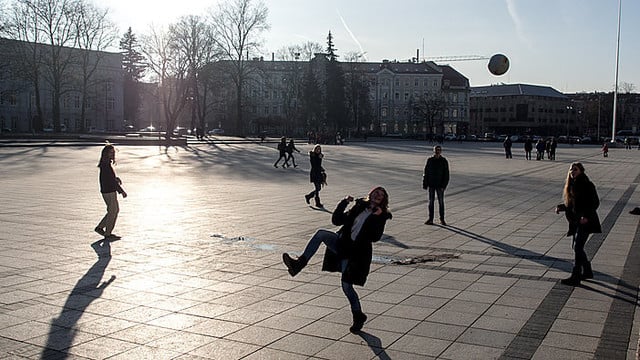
(181, 131)
(216, 132)
(450, 137)
(149, 128)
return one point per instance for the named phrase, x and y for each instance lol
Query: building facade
(522, 109)
(102, 99)
(274, 97)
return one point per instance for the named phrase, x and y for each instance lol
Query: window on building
(416, 82)
(406, 96)
(397, 96)
(397, 82)
(108, 86)
(454, 113)
(266, 110)
(76, 101)
(383, 112)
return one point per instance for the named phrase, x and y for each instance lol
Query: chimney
(417, 55)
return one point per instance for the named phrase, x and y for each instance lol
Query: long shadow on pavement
(375, 344)
(86, 290)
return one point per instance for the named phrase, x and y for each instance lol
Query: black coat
(315, 175)
(584, 204)
(358, 252)
(436, 173)
(108, 181)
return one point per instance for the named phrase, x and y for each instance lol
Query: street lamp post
(569, 108)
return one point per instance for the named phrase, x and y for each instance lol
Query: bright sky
(569, 45)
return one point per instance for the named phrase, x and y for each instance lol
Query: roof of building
(516, 90)
(456, 79)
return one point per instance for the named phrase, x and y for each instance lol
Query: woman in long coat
(580, 204)
(316, 175)
(350, 249)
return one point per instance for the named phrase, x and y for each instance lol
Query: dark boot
(318, 203)
(294, 265)
(308, 197)
(574, 279)
(358, 321)
(587, 272)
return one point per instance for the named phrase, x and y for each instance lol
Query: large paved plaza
(198, 272)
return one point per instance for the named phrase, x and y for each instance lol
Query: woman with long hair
(110, 185)
(316, 175)
(580, 204)
(350, 249)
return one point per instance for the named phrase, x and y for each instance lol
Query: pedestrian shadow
(375, 344)
(322, 209)
(388, 239)
(551, 261)
(602, 279)
(88, 288)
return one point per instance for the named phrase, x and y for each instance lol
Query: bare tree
(94, 33)
(429, 109)
(627, 87)
(170, 69)
(303, 52)
(194, 39)
(237, 27)
(51, 23)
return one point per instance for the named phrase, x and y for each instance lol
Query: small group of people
(286, 150)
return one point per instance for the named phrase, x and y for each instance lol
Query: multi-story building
(103, 108)
(522, 109)
(274, 96)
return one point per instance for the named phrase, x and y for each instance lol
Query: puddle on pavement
(378, 259)
(248, 241)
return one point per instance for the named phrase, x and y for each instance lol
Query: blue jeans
(330, 239)
(432, 195)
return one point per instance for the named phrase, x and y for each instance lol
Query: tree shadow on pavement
(88, 288)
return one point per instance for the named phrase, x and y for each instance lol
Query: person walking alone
(110, 185)
(290, 148)
(350, 249)
(317, 175)
(580, 203)
(507, 147)
(435, 179)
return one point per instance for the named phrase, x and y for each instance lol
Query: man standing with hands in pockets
(435, 179)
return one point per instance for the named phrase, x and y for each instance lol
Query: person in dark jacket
(317, 175)
(435, 179)
(507, 147)
(350, 249)
(528, 147)
(580, 203)
(291, 147)
(282, 149)
(110, 185)
(540, 147)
